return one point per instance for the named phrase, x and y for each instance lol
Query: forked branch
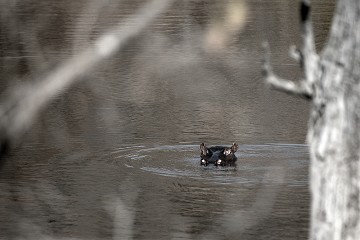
(306, 57)
(301, 87)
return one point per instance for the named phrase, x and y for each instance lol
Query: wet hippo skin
(218, 155)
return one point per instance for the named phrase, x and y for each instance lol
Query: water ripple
(255, 163)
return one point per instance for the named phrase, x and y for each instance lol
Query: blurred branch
(307, 57)
(300, 87)
(86, 21)
(18, 112)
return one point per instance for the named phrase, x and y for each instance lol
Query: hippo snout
(218, 155)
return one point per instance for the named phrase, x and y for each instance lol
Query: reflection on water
(117, 156)
(180, 161)
(161, 192)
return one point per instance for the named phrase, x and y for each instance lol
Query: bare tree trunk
(332, 82)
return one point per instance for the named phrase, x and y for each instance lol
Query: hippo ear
(234, 147)
(203, 149)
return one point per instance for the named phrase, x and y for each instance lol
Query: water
(117, 155)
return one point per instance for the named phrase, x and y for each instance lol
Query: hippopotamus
(218, 155)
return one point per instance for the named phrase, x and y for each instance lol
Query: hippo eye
(227, 152)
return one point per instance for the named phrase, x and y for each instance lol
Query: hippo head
(218, 155)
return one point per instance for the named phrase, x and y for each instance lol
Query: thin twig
(297, 55)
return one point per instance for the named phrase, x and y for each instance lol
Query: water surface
(117, 155)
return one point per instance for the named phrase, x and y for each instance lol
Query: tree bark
(332, 82)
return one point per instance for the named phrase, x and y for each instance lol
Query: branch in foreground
(307, 58)
(307, 28)
(310, 57)
(301, 88)
(19, 111)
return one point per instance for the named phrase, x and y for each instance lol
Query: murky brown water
(117, 156)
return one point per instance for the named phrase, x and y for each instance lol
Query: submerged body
(218, 155)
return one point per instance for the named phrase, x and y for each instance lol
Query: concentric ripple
(265, 164)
